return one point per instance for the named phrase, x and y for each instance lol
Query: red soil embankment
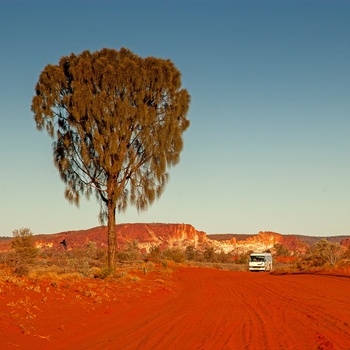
(213, 309)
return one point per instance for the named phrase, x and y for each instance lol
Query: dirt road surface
(204, 309)
(212, 309)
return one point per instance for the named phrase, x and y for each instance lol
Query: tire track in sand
(214, 309)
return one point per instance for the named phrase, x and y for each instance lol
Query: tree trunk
(112, 236)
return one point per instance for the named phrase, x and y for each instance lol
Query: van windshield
(257, 258)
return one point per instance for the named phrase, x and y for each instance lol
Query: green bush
(23, 251)
(209, 255)
(327, 252)
(23, 244)
(322, 254)
(281, 250)
(130, 251)
(192, 254)
(174, 254)
(154, 252)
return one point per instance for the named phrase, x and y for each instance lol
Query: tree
(209, 254)
(24, 245)
(328, 251)
(117, 121)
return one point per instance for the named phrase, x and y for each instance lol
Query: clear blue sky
(269, 143)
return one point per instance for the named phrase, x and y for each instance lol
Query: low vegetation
(24, 259)
(324, 255)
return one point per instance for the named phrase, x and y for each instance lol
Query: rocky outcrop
(170, 236)
(147, 235)
(259, 243)
(163, 235)
(158, 234)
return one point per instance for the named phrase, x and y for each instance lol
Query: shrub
(23, 252)
(327, 252)
(209, 255)
(154, 252)
(91, 250)
(130, 251)
(174, 254)
(105, 273)
(222, 257)
(242, 258)
(190, 253)
(23, 244)
(281, 250)
(148, 267)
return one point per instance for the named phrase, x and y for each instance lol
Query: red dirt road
(213, 309)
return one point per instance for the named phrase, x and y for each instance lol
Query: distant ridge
(304, 238)
(179, 236)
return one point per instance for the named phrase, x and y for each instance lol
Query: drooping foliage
(117, 121)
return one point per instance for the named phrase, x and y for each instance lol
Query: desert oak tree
(117, 121)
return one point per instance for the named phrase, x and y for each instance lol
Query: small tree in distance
(117, 122)
(328, 251)
(23, 244)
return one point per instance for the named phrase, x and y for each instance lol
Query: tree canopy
(117, 121)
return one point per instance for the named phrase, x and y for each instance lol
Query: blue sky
(269, 142)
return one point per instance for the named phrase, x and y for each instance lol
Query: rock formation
(170, 236)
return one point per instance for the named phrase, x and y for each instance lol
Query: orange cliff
(259, 243)
(158, 234)
(147, 235)
(166, 236)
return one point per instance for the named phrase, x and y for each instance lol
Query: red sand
(196, 309)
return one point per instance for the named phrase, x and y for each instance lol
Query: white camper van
(260, 262)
